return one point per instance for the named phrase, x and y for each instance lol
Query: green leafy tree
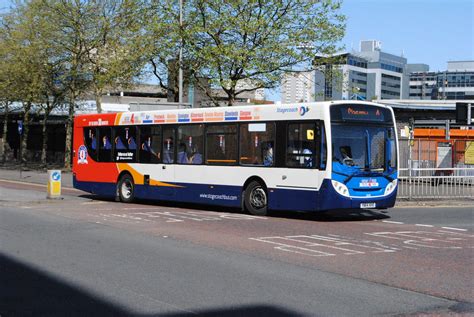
(113, 59)
(256, 41)
(26, 56)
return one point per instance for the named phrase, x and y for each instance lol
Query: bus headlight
(340, 188)
(391, 187)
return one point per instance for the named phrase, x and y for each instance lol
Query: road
(87, 256)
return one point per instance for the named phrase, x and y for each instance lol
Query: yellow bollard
(54, 184)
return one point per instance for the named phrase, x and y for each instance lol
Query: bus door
(156, 160)
(166, 168)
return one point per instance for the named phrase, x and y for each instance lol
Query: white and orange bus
(307, 157)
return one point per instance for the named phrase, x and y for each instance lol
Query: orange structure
(427, 141)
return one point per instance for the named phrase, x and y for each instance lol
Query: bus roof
(294, 111)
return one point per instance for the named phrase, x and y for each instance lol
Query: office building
(455, 83)
(368, 74)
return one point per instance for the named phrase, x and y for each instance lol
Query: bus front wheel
(256, 199)
(126, 188)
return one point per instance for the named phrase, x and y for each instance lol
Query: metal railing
(436, 183)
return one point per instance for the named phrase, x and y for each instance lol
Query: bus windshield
(363, 148)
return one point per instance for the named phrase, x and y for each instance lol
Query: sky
(424, 31)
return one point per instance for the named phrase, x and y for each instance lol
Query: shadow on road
(334, 215)
(26, 291)
(323, 216)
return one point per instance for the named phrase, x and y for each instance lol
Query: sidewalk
(41, 177)
(34, 176)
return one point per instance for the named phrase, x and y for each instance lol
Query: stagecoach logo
(304, 110)
(82, 155)
(368, 183)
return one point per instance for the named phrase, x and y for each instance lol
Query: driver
(346, 157)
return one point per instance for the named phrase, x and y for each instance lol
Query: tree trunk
(44, 148)
(98, 101)
(24, 139)
(231, 97)
(68, 145)
(5, 130)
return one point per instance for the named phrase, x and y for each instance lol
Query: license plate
(367, 205)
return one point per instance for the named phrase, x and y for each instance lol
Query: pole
(180, 55)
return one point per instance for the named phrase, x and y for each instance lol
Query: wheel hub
(258, 198)
(126, 189)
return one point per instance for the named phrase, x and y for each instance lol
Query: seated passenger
(146, 146)
(93, 142)
(182, 156)
(196, 157)
(268, 157)
(308, 158)
(106, 143)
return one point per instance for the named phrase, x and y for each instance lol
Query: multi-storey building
(422, 82)
(298, 87)
(368, 74)
(457, 82)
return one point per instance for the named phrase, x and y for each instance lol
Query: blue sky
(426, 31)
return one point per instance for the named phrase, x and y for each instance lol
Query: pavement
(37, 176)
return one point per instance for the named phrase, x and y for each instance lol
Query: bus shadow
(321, 216)
(27, 291)
(342, 215)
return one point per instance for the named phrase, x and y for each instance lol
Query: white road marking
(458, 229)
(422, 239)
(420, 225)
(317, 245)
(333, 245)
(393, 222)
(94, 202)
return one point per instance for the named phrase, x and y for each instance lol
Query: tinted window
(105, 144)
(257, 143)
(150, 144)
(125, 144)
(190, 144)
(303, 145)
(168, 145)
(221, 144)
(90, 140)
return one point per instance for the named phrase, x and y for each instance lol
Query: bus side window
(105, 144)
(190, 144)
(90, 140)
(221, 144)
(303, 145)
(124, 144)
(257, 141)
(168, 145)
(150, 144)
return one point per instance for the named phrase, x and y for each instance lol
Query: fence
(432, 169)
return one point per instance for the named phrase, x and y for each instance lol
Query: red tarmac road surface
(430, 260)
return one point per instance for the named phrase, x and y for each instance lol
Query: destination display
(360, 113)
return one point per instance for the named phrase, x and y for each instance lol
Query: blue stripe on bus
(231, 196)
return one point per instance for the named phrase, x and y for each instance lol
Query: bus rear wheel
(126, 188)
(256, 199)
